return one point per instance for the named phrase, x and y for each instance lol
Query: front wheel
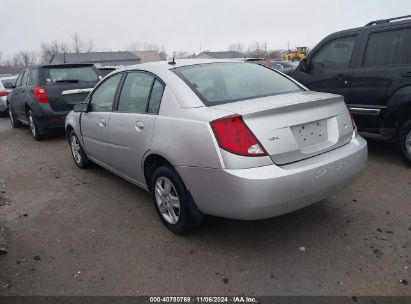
(173, 202)
(404, 141)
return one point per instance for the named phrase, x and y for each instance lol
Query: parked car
(6, 86)
(371, 67)
(285, 67)
(220, 137)
(44, 94)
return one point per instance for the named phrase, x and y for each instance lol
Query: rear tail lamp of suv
(4, 93)
(234, 136)
(41, 94)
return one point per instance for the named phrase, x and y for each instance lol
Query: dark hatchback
(44, 95)
(371, 67)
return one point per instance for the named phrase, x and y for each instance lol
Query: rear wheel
(404, 141)
(35, 130)
(79, 156)
(173, 202)
(14, 122)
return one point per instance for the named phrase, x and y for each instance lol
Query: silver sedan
(225, 138)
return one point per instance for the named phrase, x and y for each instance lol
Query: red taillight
(41, 94)
(4, 93)
(234, 136)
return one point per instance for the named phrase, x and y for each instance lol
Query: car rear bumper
(48, 118)
(265, 192)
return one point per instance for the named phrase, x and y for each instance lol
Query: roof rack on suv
(387, 20)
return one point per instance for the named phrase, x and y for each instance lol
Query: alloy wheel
(32, 126)
(75, 149)
(408, 143)
(167, 200)
(11, 116)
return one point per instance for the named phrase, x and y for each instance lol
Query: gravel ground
(87, 232)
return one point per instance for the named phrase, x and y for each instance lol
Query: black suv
(44, 94)
(371, 67)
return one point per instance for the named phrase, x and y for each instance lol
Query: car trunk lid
(296, 126)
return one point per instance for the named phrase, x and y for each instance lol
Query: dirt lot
(88, 232)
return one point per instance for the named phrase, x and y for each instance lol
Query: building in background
(147, 56)
(100, 59)
(220, 55)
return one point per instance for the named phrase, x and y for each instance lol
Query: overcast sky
(188, 25)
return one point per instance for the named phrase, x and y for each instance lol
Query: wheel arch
(398, 108)
(151, 162)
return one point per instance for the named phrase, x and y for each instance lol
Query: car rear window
(219, 83)
(71, 74)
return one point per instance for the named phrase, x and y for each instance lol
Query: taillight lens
(4, 93)
(41, 94)
(234, 136)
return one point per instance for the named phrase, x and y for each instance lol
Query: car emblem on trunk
(274, 138)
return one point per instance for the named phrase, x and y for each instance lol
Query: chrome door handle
(139, 126)
(102, 123)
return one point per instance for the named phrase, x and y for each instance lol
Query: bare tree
(77, 43)
(238, 47)
(47, 50)
(25, 58)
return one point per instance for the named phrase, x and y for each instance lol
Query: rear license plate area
(310, 134)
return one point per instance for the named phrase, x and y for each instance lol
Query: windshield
(72, 74)
(219, 83)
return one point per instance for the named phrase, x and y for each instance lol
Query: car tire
(34, 128)
(404, 141)
(13, 120)
(173, 202)
(77, 152)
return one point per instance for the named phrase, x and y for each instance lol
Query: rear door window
(18, 81)
(103, 97)
(25, 77)
(335, 54)
(388, 48)
(135, 92)
(156, 96)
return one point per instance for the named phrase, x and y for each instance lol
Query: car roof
(372, 26)
(166, 65)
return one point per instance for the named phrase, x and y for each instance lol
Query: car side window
(18, 81)
(335, 54)
(103, 97)
(25, 77)
(156, 96)
(135, 92)
(388, 48)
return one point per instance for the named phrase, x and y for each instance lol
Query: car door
(131, 125)
(331, 67)
(384, 68)
(16, 98)
(95, 122)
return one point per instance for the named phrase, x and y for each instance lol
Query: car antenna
(173, 62)
(64, 57)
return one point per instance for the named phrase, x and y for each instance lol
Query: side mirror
(81, 107)
(9, 85)
(304, 65)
